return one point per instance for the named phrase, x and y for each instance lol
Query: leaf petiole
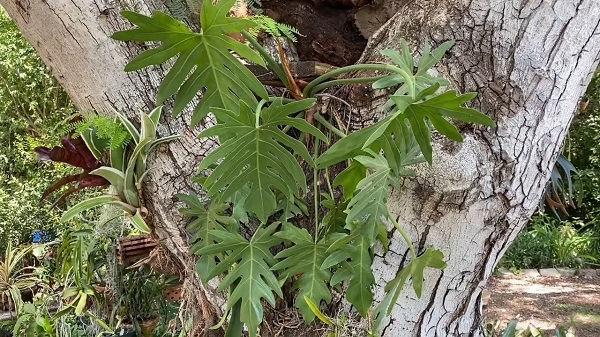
(268, 58)
(309, 89)
(402, 232)
(319, 118)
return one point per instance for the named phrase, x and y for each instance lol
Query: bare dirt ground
(546, 302)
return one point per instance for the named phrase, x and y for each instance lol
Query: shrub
(548, 242)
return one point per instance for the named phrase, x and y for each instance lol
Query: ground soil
(328, 30)
(546, 302)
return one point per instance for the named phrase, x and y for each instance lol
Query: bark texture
(530, 61)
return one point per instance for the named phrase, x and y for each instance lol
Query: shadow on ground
(546, 302)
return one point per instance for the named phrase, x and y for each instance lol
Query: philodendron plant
(257, 177)
(127, 168)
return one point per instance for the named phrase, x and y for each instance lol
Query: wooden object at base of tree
(131, 249)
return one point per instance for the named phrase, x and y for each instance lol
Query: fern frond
(273, 28)
(112, 133)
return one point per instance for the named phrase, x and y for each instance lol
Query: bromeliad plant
(126, 167)
(257, 175)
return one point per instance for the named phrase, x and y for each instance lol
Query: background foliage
(574, 239)
(32, 103)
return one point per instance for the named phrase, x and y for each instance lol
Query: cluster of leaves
(494, 330)
(256, 176)
(126, 169)
(548, 242)
(273, 28)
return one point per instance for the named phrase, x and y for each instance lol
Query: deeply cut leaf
(257, 154)
(304, 259)
(248, 265)
(432, 258)
(204, 60)
(205, 219)
(369, 205)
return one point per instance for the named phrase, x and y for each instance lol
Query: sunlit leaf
(204, 60)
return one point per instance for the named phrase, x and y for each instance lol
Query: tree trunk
(530, 61)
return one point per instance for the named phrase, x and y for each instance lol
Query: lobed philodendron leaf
(426, 108)
(258, 154)
(367, 209)
(205, 218)
(248, 266)
(431, 258)
(304, 259)
(204, 60)
(416, 103)
(421, 79)
(355, 260)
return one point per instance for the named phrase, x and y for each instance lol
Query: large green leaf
(419, 113)
(248, 266)
(355, 262)
(367, 209)
(205, 218)
(421, 79)
(350, 177)
(432, 258)
(204, 60)
(257, 154)
(304, 258)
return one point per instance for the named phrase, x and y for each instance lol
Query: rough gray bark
(530, 61)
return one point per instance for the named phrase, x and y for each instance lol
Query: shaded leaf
(431, 258)
(248, 266)
(205, 218)
(367, 209)
(304, 259)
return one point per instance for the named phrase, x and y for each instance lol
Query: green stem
(273, 65)
(316, 189)
(356, 67)
(319, 118)
(258, 110)
(322, 86)
(402, 232)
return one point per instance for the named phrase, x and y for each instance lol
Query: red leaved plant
(74, 152)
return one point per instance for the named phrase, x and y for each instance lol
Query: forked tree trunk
(530, 61)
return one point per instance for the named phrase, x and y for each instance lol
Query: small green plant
(103, 128)
(559, 193)
(273, 28)
(127, 168)
(258, 175)
(14, 278)
(34, 321)
(549, 242)
(140, 297)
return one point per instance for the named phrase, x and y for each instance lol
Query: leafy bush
(549, 243)
(494, 330)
